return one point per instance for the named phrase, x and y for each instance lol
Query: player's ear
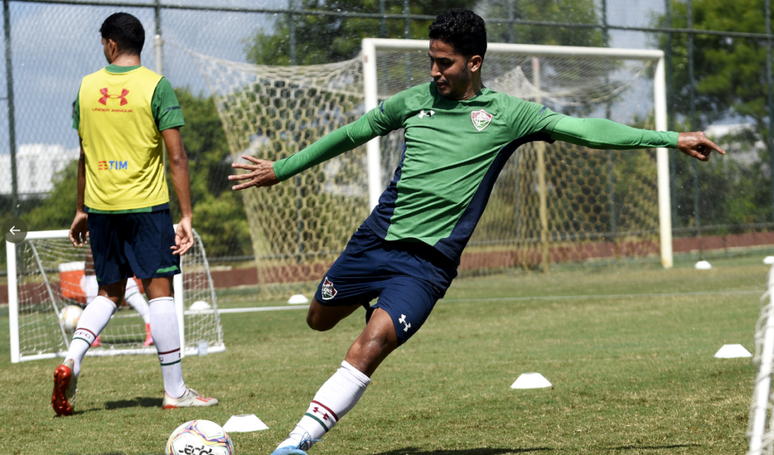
(474, 63)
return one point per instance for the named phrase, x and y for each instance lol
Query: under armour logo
(106, 95)
(402, 320)
(422, 113)
(317, 410)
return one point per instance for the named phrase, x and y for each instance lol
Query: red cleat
(148, 337)
(64, 389)
(97, 342)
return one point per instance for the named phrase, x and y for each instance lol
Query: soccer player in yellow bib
(122, 114)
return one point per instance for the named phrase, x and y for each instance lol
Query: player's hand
(697, 145)
(79, 230)
(183, 237)
(261, 173)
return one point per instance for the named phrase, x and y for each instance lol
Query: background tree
(325, 39)
(730, 75)
(219, 216)
(575, 11)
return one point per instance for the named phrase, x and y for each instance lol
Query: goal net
(761, 426)
(46, 274)
(552, 203)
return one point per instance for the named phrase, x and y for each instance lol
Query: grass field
(629, 352)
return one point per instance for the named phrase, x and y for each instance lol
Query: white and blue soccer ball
(69, 317)
(199, 437)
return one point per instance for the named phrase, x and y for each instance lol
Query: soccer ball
(69, 317)
(199, 437)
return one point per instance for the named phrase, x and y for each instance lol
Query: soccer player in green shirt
(458, 134)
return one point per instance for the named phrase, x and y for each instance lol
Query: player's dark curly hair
(464, 30)
(126, 30)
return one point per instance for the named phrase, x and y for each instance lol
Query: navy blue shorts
(407, 277)
(132, 244)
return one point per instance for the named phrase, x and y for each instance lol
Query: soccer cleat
(148, 337)
(190, 399)
(306, 443)
(288, 450)
(97, 342)
(64, 389)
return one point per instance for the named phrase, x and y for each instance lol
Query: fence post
(770, 97)
(694, 124)
(11, 110)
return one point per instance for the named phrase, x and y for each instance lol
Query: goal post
(46, 273)
(370, 47)
(761, 427)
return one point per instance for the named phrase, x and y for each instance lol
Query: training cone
(297, 299)
(732, 351)
(244, 423)
(531, 381)
(703, 265)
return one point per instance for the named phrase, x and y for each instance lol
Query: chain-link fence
(718, 78)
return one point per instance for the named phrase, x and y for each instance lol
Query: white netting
(760, 430)
(596, 203)
(51, 275)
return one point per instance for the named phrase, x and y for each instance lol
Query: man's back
(121, 140)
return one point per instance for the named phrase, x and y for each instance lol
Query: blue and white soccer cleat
(288, 450)
(306, 443)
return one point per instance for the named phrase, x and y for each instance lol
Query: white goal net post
(761, 425)
(530, 90)
(46, 273)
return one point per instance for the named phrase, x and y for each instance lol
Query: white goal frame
(13, 309)
(371, 45)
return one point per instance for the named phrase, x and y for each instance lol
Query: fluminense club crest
(328, 291)
(481, 119)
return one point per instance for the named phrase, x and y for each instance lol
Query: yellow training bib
(121, 142)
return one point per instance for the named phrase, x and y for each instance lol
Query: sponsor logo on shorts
(406, 325)
(328, 291)
(481, 119)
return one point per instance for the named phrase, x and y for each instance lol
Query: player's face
(451, 71)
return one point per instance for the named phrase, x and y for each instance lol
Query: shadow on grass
(482, 451)
(671, 446)
(137, 402)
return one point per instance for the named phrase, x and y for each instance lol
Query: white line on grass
(604, 296)
(520, 299)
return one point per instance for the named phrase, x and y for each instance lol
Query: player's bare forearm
(260, 173)
(696, 145)
(178, 168)
(79, 229)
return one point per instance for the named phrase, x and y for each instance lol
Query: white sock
(93, 320)
(166, 335)
(334, 399)
(90, 287)
(134, 298)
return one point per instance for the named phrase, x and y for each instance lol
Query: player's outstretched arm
(260, 173)
(697, 145)
(178, 168)
(79, 230)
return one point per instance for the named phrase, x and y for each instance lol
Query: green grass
(630, 357)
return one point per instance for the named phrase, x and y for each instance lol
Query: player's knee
(317, 322)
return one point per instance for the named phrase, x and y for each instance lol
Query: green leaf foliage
(218, 212)
(323, 39)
